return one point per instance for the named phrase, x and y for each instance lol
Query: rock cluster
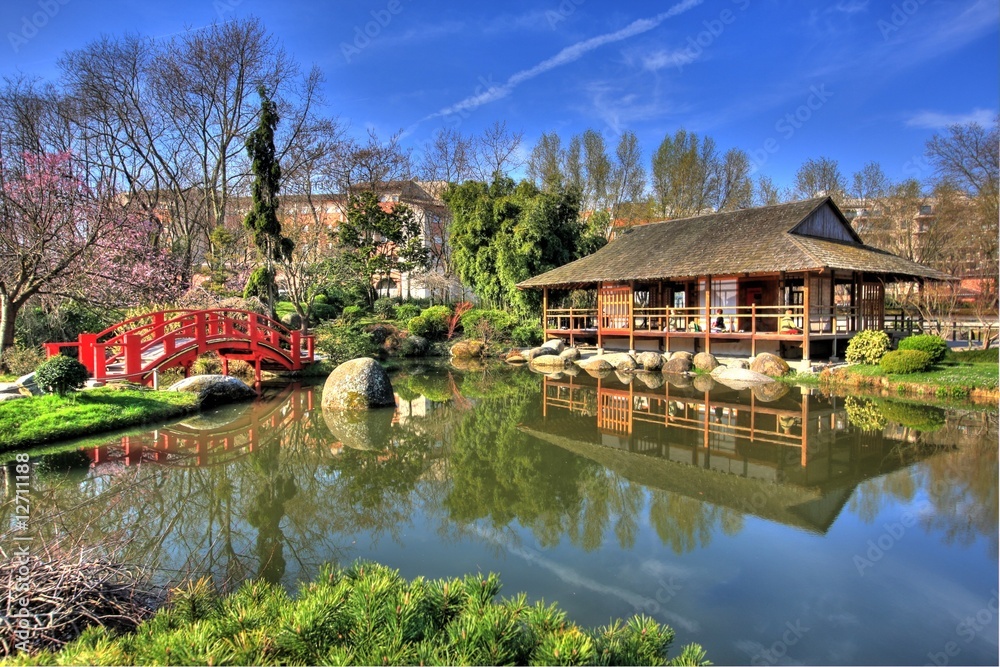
(358, 384)
(215, 389)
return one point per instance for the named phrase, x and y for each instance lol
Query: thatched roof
(757, 240)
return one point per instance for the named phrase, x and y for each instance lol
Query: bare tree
(372, 164)
(628, 180)
(735, 188)
(447, 157)
(496, 152)
(819, 177)
(766, 193)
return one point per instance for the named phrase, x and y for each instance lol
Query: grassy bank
(45, 419)
(367, 615)
(971, 375)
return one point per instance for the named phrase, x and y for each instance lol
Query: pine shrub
(932, 345)
(432, 323)
(384, 308)
(407, 311)
(901, 362)
(61, 374)
(867, 347)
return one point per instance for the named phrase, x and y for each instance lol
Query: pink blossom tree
(61, 238)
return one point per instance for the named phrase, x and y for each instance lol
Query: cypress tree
(262, 218)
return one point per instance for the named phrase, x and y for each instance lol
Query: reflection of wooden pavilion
(660, 286)
(794, 460)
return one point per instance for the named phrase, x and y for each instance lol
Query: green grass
(45, 419)
(7, 378)
(955, 377)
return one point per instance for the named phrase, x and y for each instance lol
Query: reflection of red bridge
(135, 348)
(183, 445)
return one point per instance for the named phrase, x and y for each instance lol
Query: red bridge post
(133, 355)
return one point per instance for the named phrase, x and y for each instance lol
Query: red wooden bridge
(136, 348)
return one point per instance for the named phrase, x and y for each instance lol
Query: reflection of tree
(685, 524)
(267, 510)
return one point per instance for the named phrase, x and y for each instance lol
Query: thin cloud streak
(936, 120)
(567, 55)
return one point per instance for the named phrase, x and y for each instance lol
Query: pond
(772, 527)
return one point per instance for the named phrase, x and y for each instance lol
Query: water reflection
(488, 456)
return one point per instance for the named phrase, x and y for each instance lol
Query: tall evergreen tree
(262, 218)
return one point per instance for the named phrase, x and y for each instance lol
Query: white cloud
(568, 55)
(851, 6)
(657, 60)
(936, 120)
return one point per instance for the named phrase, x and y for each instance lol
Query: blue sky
(786, 80)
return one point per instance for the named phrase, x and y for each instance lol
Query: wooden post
(631, 317)
(753, 329)
(600, 317)
(708, 313)
(804, 459)
(545, 314)
(805, 319)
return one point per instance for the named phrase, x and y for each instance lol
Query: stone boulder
(621, 361)
(677, 364)
(215, 389)
(705, 361)
(28, 382)
(678, 380)
(414, 346)
(550, 361)
(769, 364)
(740, 378)
(7, 396)
(570, 354)
(703, 382)
(681, 354)
(360, 429)
(10, 388)
(649, 361)
(467, 349)
(600, 374)
(535, 352)
(557, 345)
(358, 384)
(595, 364)
(292, 320)
(732, 362)
(624, 378)
(515, 357)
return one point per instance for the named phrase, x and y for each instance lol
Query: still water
(771, 527)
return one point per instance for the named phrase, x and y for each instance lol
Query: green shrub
(432, 324)
(905, 361)
(500, 323)
(407, 311)
(932, 345)
(384, 308)
(991, 355)
(351, 313)
(22, 360)
(366, 615)
(207, 364)
(60, 374)
(919, 417)
(867, 347)
(527, 334)
(341, 342)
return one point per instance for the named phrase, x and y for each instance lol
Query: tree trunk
(8, 312)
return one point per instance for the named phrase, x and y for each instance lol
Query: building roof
(757, 240)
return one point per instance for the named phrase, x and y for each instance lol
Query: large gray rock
(358, 384)
(621, 361)
(740, 378)
(733, 362)
(515, 356)
(650, 379)
(705, 361)
(595, 364)
(10, 388)
(677, 364)
(292, 320)
(10, 397)
(570, 353)
(215, 389)
(468, 349)
(649, 361)
(769, 364)
(550, 361)
(703, 382)
(536, 352)
(557, 345)
(681, 354)
(28, 382)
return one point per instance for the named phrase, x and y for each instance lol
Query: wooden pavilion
(793, 279)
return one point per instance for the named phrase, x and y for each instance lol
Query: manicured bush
(905, 361)
(867, 347)
(61, 374)
(369, 615)
(351, 313)
(935, 346)
(341, 342)
(407, 311)
(384, 308)
(499, 322)
(432, 323)
(527, 334)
